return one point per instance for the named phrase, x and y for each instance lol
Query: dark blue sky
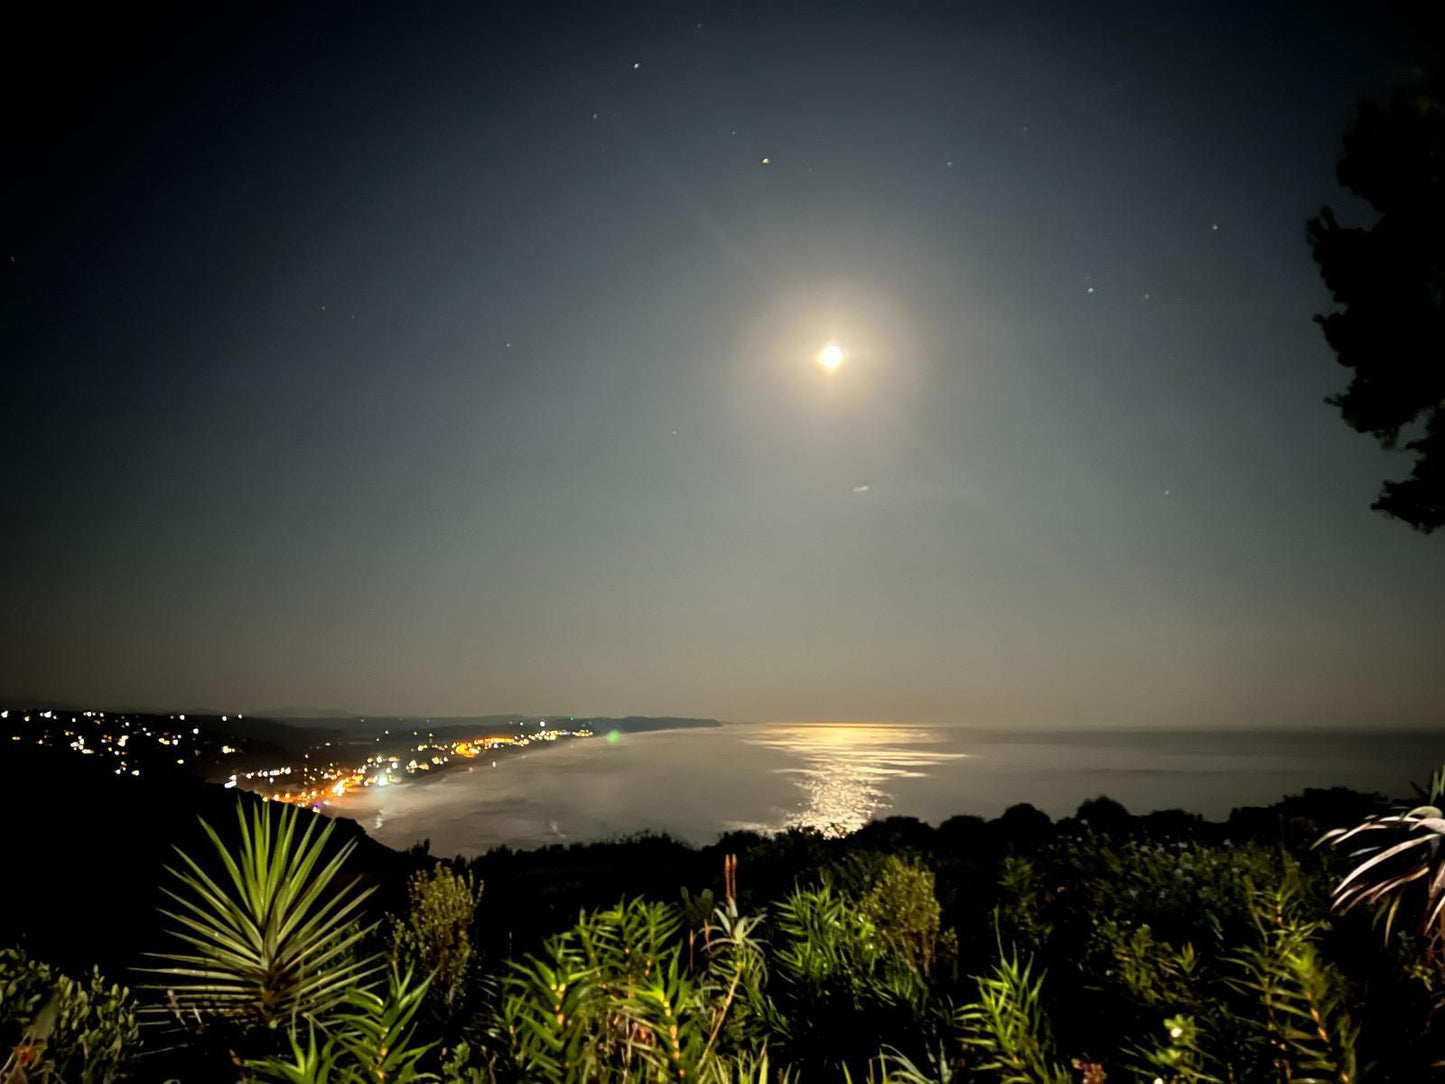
(463, 359)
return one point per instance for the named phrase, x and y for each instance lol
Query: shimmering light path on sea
(696, 784)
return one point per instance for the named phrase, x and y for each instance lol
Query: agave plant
(275, 935)
(1401, 865)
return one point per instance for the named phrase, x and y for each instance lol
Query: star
(636, 65)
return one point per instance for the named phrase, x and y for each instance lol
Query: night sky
(454, 359)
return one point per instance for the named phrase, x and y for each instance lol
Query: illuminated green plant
(734, 981)
(1177, 1056)
(831, 947)
(308, 1062)
(369, 1040)
(904, 909)
(275, 933)
(465, 1065)
(1005, 1032)
(613, 999)
(1300, 997)
(839, 988)
(1021, 902)
(434, 936)
(1154, 972)
(576, 1011)
(60, 1030)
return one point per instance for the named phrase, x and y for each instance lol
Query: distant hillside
(89, 848)
(631, 724)
(309, 714)
(312, 726)
(269, 731)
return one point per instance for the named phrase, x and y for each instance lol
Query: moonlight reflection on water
(845, 768)
(834, 777)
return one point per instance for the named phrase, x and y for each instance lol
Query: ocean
(695, 784)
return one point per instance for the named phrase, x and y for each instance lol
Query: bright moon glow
(831, 357)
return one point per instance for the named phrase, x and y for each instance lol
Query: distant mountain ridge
(314, 718)
(627, 724)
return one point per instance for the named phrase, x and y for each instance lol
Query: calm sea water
(695, 784)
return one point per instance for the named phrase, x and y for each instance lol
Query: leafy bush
(1169, 960)
(1301, 1020)
(613, 999)
(58, 1029)
(435, 935)
(841, 987)
(904, 910)
(1005, 1034)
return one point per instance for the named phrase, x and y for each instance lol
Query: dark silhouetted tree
(1389, 283)
(1103, 814)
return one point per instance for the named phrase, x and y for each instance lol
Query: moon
(831, 357)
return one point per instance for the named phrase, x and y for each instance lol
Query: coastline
(697, 786)
(401, 760)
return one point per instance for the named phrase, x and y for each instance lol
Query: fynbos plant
(63, 1030)
(274, 935)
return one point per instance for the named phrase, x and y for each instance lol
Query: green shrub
(1301, 1019)
(1005, 1033)
(902, 907)
(435, 936)
(60, 1030)
(612, 999)
(840, 988)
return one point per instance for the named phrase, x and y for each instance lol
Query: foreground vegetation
(1301, 943)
